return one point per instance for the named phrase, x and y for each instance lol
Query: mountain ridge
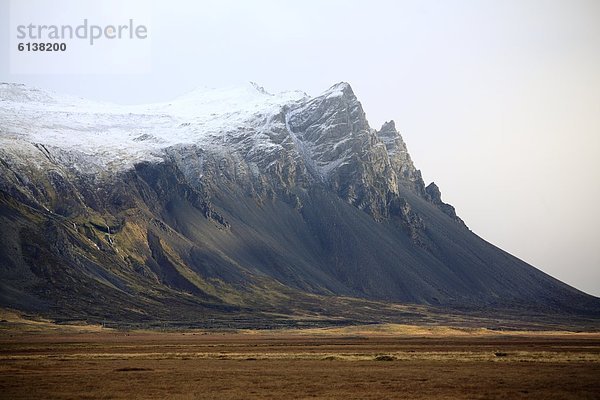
(235, 201)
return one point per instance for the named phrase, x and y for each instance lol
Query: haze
(498, 101)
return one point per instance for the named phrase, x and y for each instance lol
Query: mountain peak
(341, 89)
(391, 124)
(388, 129)
(400, 159)
(341, 86)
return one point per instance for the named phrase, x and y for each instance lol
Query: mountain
(239, 205)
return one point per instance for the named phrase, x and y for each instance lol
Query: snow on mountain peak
(210, 102)
(117, 136)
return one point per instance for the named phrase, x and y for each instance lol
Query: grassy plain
(41, 360)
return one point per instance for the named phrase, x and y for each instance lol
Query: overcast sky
(498, 101)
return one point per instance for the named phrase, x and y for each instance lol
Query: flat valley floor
(354, 363)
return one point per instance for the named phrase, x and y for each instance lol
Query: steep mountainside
(236, 203)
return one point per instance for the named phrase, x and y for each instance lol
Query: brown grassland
(39, 360)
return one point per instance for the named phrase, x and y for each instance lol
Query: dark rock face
(333, 208)
(436, 198)
(343, 151)
(400, 160)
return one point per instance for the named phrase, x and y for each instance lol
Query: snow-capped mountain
(235, 200)
(113, 137)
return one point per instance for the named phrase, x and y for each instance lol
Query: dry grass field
(376, 362)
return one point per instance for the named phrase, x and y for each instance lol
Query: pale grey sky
(498, 101)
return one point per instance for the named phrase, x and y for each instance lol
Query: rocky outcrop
(400, 160)
(436, 198)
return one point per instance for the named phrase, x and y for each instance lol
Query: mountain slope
(234, 202)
